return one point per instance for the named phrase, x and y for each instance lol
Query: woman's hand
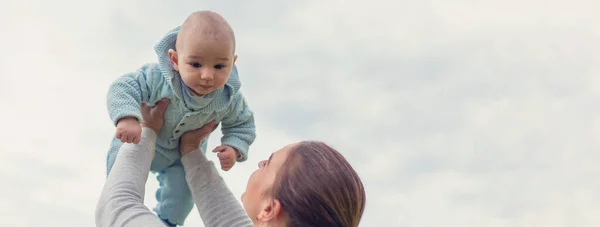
(153, 117)
(191, 140)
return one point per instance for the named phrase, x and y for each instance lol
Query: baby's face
(205, 64)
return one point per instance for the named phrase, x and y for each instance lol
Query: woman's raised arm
(215, 202)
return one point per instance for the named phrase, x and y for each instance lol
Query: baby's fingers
(124, 138)
(226, 166)
(136, 139)
(223, 155)
(131, 137)
(226, 163)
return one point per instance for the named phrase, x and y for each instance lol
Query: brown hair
(318, 187)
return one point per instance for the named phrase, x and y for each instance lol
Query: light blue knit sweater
(152, 82)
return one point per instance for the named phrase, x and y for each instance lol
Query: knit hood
(221, 97)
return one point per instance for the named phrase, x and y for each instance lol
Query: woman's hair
(317, 187)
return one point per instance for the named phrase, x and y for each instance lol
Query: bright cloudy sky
(454, 113)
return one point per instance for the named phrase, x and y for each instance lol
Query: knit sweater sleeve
(126, 94)
(215, 202)
(238, 127)
(122, 200)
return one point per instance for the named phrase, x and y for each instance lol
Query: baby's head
(205, 52)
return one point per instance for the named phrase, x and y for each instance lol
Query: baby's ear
(234, 58)
(174, 59)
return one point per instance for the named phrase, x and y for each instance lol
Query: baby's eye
(219, 66)
(196, 65)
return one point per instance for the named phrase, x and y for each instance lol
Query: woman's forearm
(122, 200)
(215, 202)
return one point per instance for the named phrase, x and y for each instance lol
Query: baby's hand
(227, 155)
(129, 130)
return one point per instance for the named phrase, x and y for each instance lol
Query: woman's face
(261, 181)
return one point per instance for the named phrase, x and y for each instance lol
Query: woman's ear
(270, 211)
(174, 59)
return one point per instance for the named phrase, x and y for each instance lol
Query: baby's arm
(238, 127)
(123, 103)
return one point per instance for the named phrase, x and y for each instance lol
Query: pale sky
(454, 113)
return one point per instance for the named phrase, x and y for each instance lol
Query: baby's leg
(173, 195)
(204, 145)
(112, 154)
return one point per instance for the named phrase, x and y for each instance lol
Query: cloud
(462, 114)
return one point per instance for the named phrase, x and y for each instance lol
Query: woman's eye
(196, 65)
(219, 66)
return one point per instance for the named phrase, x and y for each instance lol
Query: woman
(302, 184)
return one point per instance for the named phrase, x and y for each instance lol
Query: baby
(196, 72)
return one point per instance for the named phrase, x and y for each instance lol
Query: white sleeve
(122, 200)
(215, 202)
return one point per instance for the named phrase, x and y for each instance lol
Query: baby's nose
(207, 75)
